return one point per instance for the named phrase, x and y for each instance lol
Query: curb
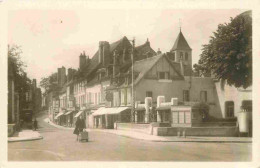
(55, 125)
(186, 140)
(154, 140)
(25, 139)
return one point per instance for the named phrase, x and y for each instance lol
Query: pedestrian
(21, 125)
(80, 125)
(35, 124)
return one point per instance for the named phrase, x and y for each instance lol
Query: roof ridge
(149, 58)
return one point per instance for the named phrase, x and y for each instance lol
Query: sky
(54, 38)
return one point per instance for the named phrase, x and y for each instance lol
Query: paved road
(60, 144)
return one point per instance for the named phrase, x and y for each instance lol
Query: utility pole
(133, 96)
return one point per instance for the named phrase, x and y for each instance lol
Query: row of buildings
(111, 87)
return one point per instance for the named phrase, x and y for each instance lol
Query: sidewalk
(147, 137)
(25, 135)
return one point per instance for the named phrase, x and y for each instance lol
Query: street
(61, 145)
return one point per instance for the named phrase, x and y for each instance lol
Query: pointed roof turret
(180, 43)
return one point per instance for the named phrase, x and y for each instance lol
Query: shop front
(106, 117)
(164, 114)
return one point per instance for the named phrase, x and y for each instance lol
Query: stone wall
(143, 128)
(196, 131)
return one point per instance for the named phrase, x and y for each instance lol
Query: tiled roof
(181, 43)
(143, 66)
(143, 50)
(93, 65)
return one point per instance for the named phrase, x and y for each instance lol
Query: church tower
(181, 52)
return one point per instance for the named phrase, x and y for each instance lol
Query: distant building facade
(101, 89)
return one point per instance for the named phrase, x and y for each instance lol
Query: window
(203, 96)
(96, 99)
(126, 81)
(173, 56)
(186, 95)
(149, 94)
(123, 97)
(229, 108)
(99, 98)
(90, 97)
(163, 75)
(186, 56)
(181, 55)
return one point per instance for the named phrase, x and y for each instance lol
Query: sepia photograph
(129, 84)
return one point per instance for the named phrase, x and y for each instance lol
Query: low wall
(196, 131)
(214, 124)
(11, 129)
(143, 128)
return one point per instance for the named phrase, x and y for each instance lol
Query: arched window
(229, 109)
(181, 55)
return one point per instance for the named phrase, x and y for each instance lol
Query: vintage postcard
(128, 84)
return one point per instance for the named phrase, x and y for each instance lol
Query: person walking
(80, 125)
(35, 124)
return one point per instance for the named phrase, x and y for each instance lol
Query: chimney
(147, 42)
(115, 63)
(100, 52)
(104, 53)
(82, 60)
(61, 76)
(34, 83)
(69, 74)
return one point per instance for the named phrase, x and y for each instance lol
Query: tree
(229, 52)
(16, 68)
(50, 83)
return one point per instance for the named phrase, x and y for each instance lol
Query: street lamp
(133, 97)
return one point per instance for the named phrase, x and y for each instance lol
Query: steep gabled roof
(143, 66)
(180, 43)
(94, 60)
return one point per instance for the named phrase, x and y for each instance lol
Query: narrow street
(61, 144)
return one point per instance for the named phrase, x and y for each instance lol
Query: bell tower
(181, 52)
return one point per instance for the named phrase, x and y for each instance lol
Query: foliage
(49, 83)
(16, 68)
(229, 52)
(203, 109)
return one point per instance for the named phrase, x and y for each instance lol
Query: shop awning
(118, 110)
(58, 115)
(100, 111)
(115, 110)
(78, 114)
(68, 112)
(163, 108)
(140, 109)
